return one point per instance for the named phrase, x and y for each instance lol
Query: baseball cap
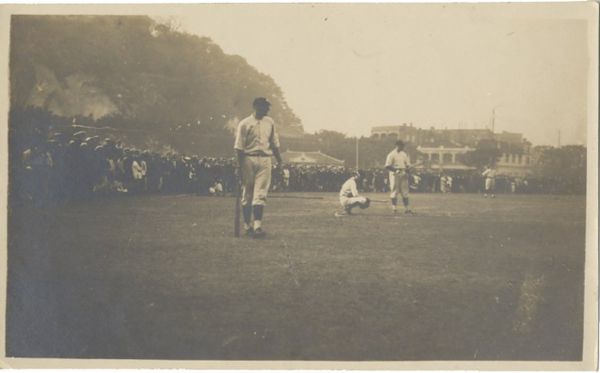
(260, 101)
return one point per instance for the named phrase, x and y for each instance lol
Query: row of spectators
(432, 182)
(80, 167)
(77, 166)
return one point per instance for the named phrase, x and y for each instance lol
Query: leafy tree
(151, 75)
(487, 152)
(565, 167)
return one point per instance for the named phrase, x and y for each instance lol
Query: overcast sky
(350, 67)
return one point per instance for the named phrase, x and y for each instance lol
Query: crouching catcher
(349, 197)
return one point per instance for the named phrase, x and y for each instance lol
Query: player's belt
(257, 155)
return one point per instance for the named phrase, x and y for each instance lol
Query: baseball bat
(238, 202)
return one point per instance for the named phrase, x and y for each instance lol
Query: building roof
(475, 131)
(318, 158)
(394, 128)
(436, 143)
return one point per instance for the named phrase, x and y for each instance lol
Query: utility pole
(357, 152)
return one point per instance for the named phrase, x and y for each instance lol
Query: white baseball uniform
(256, 139)
(400, 161)
(349, 194)
(490, 179)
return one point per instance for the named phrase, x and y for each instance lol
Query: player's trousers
(490, 184)
(256, 179)
(398, 184)
(352, 201)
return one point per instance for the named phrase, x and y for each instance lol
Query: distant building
(516, 159)
(310, 158)
(420, 136)
(509, 137)
(441, 147)
(444, 155)
(468, 137)
(516, 165)
(405, 132)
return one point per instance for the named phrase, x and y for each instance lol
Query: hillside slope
(131, 67)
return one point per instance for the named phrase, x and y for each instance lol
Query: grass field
(162, 277)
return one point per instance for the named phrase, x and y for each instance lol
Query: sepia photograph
(344, 184)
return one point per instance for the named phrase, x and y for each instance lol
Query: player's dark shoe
(259, 233)
(409, 212)
(250, 232)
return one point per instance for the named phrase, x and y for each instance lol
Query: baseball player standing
(398, 165)
(256, 141)
(490, 181)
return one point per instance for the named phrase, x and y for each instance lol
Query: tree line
(144, 74)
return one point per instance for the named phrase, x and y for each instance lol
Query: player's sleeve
(388, 160)
(274, 137)
(239, 137)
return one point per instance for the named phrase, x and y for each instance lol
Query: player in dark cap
(398, 165)
(256, 141)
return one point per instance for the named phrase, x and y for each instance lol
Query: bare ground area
(162, 277)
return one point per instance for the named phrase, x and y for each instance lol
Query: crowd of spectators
(79, 167)
(76, 166)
